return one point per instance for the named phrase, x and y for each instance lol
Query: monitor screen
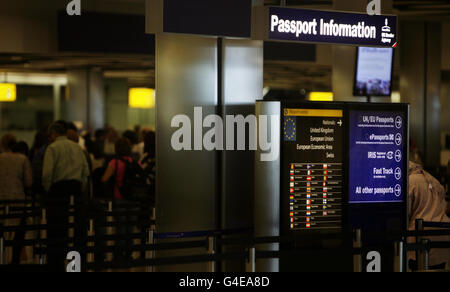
(312, 145)
(373, 71)
(377, 157)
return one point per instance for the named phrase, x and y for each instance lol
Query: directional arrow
(398, 173)
(398, 122)
(340, 123)
(398, 139)
(398, 156)
(398, 190)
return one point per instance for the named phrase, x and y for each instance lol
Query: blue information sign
(316, 26)
(377, 142)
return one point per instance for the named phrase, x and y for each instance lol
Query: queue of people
(61, 164)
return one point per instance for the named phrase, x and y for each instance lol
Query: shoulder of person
(417, 179)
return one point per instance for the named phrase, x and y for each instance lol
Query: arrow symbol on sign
(340, 123)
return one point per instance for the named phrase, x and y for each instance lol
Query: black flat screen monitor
(373, 73)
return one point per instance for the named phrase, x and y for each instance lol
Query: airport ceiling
(402, 6)
(139, 69)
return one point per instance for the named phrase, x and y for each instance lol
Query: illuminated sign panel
(312, 168)
(316, 26)
(343, 164)
(141, 98)
(377, 156)
(374, 72)
(8, 92)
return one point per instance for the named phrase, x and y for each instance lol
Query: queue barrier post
(42, 235)
(91, 232)
(426, 255)
(2, 249)
(211, 251)
(357, 259)
(70, 216)
(109, 231)
(419, 252)
(2, 240)
(399, 257)
(151, 241)
(250, 266)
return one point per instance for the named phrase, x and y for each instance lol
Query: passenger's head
(21, 147)
(111, 135)
(123, 147)
(137, 129)
(56, 130)
(40, 139)
(71, 126)
(7, 142)
(150, 144)
(100, 134)
(73, 136)
(131, 136)
(62, 123)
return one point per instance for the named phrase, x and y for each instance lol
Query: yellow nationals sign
(8, 92)
(289, 112)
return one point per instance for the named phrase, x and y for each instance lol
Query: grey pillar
(56, 102)
(445, 102)
(186, 195)
(242, 85)
(186, 77)
(420, 78)
(200, 189)
(86, 97)
(267, 193)
(77, 104)
(96, 99)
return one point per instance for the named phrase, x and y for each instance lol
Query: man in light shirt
(65, 175)
(63, 160)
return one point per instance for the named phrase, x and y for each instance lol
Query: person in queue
(73, 136)
(116, 167)
(65, 174)
(115, 175)
(15, 180)
(137, 148)
(36, 157)
(148, 159)
(21, 147)
(427, 202)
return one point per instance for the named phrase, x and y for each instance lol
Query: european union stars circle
(290, 129)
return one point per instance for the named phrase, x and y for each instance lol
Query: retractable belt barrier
(192, 234)
(128, 215)
(212, 238)
(423, 245)
(40, 227)
(436, 225)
